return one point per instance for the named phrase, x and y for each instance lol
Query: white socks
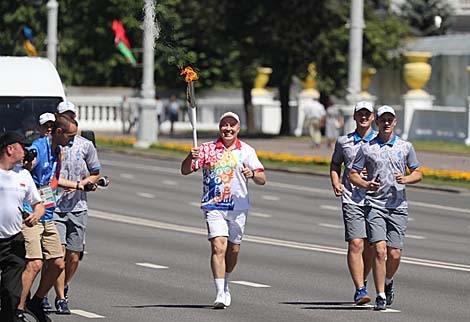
(226, 283)
(219, 285)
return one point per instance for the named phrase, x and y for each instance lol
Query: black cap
(11, 137)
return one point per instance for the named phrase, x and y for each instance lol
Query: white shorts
(228, 223)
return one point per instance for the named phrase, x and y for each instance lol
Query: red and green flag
(122, 43)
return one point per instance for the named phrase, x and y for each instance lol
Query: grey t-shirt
(345, 151)
(386, 159)
(77, 162)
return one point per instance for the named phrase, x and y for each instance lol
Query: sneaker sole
(366, 299)
(63, 313)
(219, 306)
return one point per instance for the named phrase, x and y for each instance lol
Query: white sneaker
(219, 302)
(228, 299)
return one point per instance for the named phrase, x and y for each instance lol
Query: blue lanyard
(54, 165)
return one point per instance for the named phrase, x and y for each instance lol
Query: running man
(359, 255)
(386, 159)
(228, 164)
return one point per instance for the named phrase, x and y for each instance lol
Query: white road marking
(328, 207)
(434, 206)
(87, 314)
(415, 236)
(271, 198)
(263, 240)
(249, 284)
(330, 226)
(145, 195)
(170, 182)
(259, 214)
(121, 164)
(150, 265)
(390, 311)
(127, 176)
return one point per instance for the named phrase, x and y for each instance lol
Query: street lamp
(146, 132)
(52, 9)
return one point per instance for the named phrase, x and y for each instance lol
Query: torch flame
(190, 74)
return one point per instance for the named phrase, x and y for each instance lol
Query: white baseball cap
(46, 117)
(230, 114)
(66, 106)
(364, 105)
(385, 109)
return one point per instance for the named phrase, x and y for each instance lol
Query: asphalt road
(148, 259)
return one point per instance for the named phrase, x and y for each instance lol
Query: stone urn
(309, 83)
(417, 72)
(262, 79)
(366, 79)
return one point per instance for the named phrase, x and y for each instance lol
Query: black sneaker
(45, 304)
(20, 317)
(380, 304)
(35, 307)
(390, 293)
(62, 306)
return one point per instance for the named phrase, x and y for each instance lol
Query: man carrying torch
(227, 164)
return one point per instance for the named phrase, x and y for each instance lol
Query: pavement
(302, 147)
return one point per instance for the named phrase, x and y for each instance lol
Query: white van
(29, 86)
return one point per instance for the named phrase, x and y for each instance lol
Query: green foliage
(421, 15)
(224, 40)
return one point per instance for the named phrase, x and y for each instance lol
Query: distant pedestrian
(314, 120)
(158, 109)
(227, 164)
(334, 123)
(172, 110)
(359, 256)
(386, 159)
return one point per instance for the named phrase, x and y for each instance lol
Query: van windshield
(22, 113)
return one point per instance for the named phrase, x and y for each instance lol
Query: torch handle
(194, 123)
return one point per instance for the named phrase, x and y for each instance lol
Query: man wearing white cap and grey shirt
(80, 163)
(228, 164)
(386, 159)
(359, 256)
(67, 106)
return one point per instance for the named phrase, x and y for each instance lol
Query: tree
(224, 40)
(427, 17)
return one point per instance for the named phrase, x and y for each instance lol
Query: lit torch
(190, 76)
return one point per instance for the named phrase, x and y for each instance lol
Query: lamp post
(146, 132)
(356, 24)
(52, 9)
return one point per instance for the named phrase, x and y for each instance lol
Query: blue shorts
(387, 224)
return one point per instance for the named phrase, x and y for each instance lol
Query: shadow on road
(169, 306)
(330, 305)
